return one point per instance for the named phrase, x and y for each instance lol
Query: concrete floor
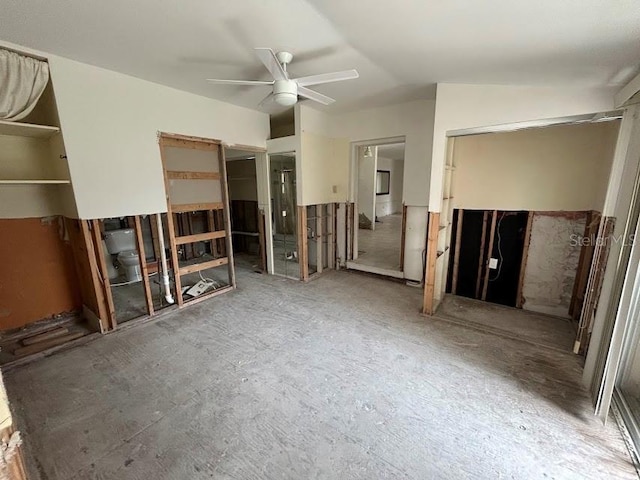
(381, 247)
(337, 378)
(535, 328)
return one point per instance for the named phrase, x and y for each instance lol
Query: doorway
(246, 217)
(378, 227)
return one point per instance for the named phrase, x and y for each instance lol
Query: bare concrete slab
(338, 378)
(537, 328)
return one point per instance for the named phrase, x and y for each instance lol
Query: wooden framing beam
(456, 252)
(492, 232)
(262, 238)
(432, 256)
(143, 265)
(98, 253)
(523, 262)
(303, 248)
(320, 215)
(180, 175)
(195, 207)
(485, 217)
(222, 162)
(403, 236)
(200, 237)
(198, 267)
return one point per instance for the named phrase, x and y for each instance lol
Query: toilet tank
(120, 240)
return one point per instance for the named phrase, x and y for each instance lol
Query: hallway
(381, 247)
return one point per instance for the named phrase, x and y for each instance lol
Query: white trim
(377, 270)
(628, 91)
(547, 122)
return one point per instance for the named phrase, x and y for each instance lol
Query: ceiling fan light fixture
(285, 92)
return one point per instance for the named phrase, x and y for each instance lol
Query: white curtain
(22, 81)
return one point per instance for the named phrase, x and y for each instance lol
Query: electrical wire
(499, 249)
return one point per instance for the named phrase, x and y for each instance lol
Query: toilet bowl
(122, 243)
(130, 261)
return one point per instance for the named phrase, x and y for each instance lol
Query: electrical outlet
(493, 263)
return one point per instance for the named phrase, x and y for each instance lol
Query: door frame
(353, 199)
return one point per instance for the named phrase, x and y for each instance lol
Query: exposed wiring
(499, 249)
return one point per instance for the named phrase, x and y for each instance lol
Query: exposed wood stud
(179, 175)
(320, 215)
(303, 250)
(227, 217)
(432, 255)
(403, 236)
(487, 272)
(143, 265)
(523, 263)
(263, 241)
(195, 207)
(197, 267)
(98, 253)
(200, 237)
(456, 252)
(483, 235)
(170, 224)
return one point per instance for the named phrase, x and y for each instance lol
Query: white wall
(561, 167)
(467, 106)
(391, 203)
(412, 120)
(110, 123)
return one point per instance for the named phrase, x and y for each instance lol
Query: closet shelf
(27, 129)
(35, 182)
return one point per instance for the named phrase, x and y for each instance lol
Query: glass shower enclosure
(282, 170)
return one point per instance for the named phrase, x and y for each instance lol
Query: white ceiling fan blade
(266, 100)
(238, 82)
(327, 78)
(270, 61)
(315, 96)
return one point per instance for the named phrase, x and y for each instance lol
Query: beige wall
(461, 106)
(324, 169)
(552, 168)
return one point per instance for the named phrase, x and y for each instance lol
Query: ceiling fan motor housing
(285, 92)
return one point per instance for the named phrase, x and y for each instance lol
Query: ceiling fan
(286, 90)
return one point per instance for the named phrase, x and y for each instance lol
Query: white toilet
(123, 244)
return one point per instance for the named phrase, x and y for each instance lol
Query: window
(382, 182)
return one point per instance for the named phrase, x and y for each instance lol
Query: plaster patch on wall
(552, 263)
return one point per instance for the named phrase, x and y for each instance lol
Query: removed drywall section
(552, 262)
(391, 203)
(38, 278)
(564, 167)
(466, 106)
(110, 123)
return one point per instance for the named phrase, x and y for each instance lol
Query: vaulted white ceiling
(401, 48)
